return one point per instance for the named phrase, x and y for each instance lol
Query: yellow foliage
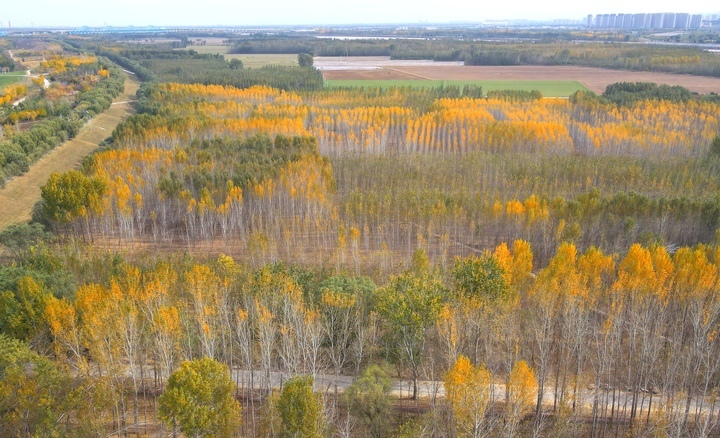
(695, 275)
(337, 299)
(514, 209)
(636, 271)
(11, 93)
(522, 390)
(468, 391)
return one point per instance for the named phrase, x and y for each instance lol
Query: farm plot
(595, 79)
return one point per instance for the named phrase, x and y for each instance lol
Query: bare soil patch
(375, 62)
(379, 74)
(22, 192)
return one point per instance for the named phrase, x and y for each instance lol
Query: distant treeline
(628, 93)
(415, 97)
(515, 95)
(439, 50)
(191, 67)
(690, 60)
(686, 60)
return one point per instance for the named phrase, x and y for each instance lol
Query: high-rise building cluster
(661, 20)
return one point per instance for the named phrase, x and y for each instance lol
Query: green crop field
(7, 79)
(547, 88)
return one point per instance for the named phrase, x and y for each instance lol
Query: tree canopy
(300, 409)
(199, 399)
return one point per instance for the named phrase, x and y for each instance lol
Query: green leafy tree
(370, 402)
(361, 287)
(71, 195)
(36, 396)
(305, 60)
(199, 400)
(420, 262)
(21, 312)
(44, 266)
(410, 304)
(300, 409)
(18, 238)
(480, 278)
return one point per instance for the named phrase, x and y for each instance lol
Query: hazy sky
(264, 12)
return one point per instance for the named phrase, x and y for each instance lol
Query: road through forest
(586, 397)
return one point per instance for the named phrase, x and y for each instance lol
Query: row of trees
(604, 343)
(405, 120)
(197, 194)
(82, 88)
(195, 68)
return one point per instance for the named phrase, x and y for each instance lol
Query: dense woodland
(514, 265)
(243, 170)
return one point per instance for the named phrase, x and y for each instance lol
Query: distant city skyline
(74, 13)
(655, 20)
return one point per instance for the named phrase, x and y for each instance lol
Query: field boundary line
(396, 70)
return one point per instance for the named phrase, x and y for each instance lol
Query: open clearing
(547, 88)
(595, 79)
(260, 60)
(22, 192)
(250, 60)
(7, 79)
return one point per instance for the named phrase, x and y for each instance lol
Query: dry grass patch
(261, 60)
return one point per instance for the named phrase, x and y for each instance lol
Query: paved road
(428, 389)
